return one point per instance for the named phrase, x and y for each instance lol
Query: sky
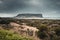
(48, 8)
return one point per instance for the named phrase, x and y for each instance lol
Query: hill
(29, 16)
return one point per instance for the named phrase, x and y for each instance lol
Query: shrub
(7, 35)
(42, 31)
(57, 30)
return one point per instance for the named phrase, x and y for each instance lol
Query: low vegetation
(8, 35)
(48, 29)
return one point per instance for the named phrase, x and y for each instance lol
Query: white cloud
(1, 2)
(7, 15)
(51, 14)
(34, 2)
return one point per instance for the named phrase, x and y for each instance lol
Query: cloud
(51, 14)
(38, 6)
(1, 2)
(11, 5)
(6, 15)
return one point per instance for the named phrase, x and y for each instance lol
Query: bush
(7, 35)
(42, 31)
(57, 30)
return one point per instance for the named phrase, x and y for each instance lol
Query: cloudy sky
(49, 8)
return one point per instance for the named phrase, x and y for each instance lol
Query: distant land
(31, 16)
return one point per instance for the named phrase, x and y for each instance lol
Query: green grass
(8, 35)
